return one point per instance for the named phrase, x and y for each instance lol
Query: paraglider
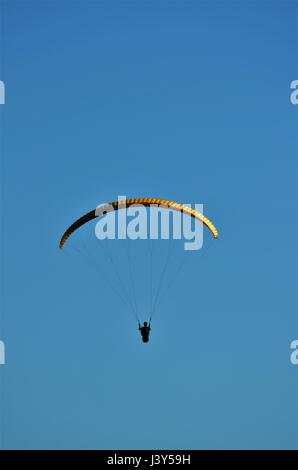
(104, 209)
(145, 331)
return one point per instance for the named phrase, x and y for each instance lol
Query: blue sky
(181, 100)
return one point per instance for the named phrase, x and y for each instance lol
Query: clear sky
(187, 101)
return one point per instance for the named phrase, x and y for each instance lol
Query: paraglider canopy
(147, 202)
